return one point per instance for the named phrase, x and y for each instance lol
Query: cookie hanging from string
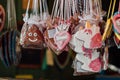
(60, 23)
(87, 39)
(34, 26)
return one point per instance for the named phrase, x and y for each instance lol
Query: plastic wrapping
(34, 26)
(61, 21)
(87, 39)
(32, 37)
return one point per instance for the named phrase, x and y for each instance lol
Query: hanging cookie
(34, 26)
(62, 37)
(87, 39)
(62, 21)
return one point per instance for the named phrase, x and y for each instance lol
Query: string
(26, 14)
(62, 9)
(12, 23)
(87, 6)
(91, 9)
(109, 9)
(35, 7)
(41, 9)
(8, 11)
(14, 16)
(119, 6)
(53, 9)
(113, 7)
(108, 28)
(73, 6)
(98, 9)
(76, 5)
(98, 6)
(80, 3)
(84, 7)
(46, 7)
(66, 10)
(76, 9)
(56, 8)
(69, 8)
(65, 5)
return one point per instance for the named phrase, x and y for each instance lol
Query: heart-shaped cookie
(62, 39)
(49, 40)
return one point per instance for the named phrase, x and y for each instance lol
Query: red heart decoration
(96, 41)
(95, 65)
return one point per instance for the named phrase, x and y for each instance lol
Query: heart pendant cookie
(49, 40)
(62, 39)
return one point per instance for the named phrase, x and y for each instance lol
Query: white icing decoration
(35, 34)
(29, 34)
(32, 40)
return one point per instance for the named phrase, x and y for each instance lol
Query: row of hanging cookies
(73, 24)
(9, 35)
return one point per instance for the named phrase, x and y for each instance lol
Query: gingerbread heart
(49, 40)
(62, 39)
